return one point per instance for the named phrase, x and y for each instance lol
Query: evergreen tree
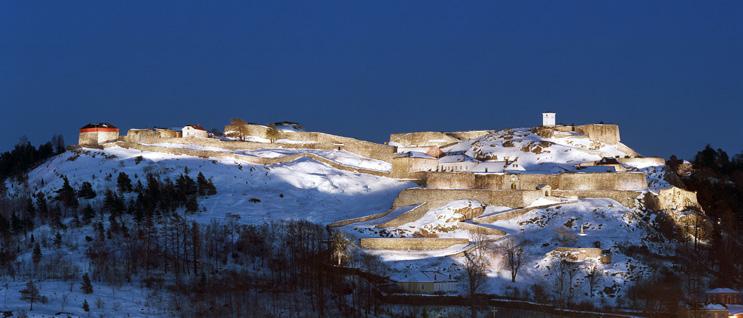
(211, 189)
(4, 227)
(203, 183)
(86, 286)
(16, 224)
(41, 205)
(88, 214)
(66, 195)
(55, 216)
(31, 294)
(192, 205)
(113, 203)
(123, 183)
(186, 187)
(101, 233)
(86, 191)
(206, 186)
(57, 240)
(23, 157)
(86, 307)
(151, 194)
(58, 143)
(28, 225)
(36, 257)
(139, 188)
(29, 208)
(196, 245)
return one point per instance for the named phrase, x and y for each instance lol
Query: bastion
(97, 134)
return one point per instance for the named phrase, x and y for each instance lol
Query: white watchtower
(548, 119)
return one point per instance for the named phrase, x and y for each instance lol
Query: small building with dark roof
(95, 134)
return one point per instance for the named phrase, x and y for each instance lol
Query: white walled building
(548, 119)
(194, 131)
(97, 134)
(456, 163)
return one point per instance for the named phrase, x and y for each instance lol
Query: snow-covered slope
(533, 153)
(607, 225)
(302, 189)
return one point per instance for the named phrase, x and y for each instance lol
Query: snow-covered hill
(310, 190)
(607, 225)
(302, 189)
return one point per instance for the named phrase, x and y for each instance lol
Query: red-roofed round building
(97, 134)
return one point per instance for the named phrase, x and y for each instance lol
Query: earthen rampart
(328, 141)
(510, 214)
(410, 216)
(475, 228)
(249, 159)
(359, 147)
(360, 219)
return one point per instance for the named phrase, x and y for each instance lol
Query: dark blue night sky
(669, 72)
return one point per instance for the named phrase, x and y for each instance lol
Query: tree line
(24, 156)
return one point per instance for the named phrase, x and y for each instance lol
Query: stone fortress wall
(438, 197)
(312, 140)
(151, 136)
(410, 243)
(412, 167)
(565, 181)
(96, 138)
(422, 139)
(672, 199)
(606, 133)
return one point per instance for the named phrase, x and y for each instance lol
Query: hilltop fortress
(512, 167)
(470, 184)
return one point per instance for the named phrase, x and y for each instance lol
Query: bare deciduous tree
(339, 246)
(476, 265)
(593, 273)
(514, 257)
(565, 270)
(241, 127)
(272, 134)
